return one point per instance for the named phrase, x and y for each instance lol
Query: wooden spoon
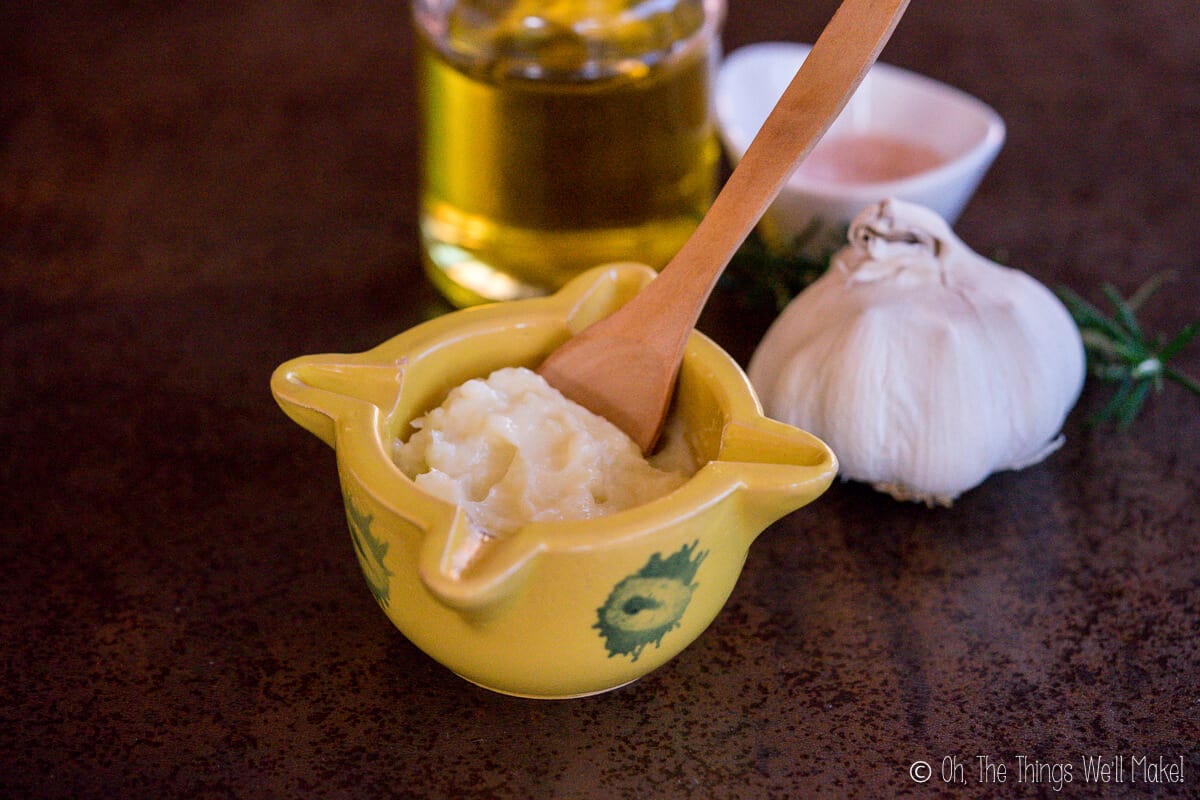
(624, 367)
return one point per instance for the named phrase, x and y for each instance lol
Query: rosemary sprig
(763, 278)
(1120, 351)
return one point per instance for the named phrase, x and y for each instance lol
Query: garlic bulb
(925, 366)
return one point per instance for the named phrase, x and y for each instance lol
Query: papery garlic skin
(923, 365)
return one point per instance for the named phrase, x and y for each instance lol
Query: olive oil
(539, 166)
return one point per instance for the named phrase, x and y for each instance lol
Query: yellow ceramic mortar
(558, 609)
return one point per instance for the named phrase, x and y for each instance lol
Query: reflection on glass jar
(561, 135)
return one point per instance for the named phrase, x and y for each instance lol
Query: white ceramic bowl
(812, 213)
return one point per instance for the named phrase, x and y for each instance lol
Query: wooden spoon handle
(826, 80)
(624, 367)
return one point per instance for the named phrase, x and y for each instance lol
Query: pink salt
(867, 158)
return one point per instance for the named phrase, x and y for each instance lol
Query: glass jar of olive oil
(561, 134)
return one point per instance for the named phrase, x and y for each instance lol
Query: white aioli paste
(511, 450)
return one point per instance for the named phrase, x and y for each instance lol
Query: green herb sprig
(763, 278)
(1120, 351)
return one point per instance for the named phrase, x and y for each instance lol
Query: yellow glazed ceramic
(558, 609)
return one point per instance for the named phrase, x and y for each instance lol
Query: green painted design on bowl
(370, 553)
(645, 606)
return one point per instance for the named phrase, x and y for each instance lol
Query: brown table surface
(192, 193)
